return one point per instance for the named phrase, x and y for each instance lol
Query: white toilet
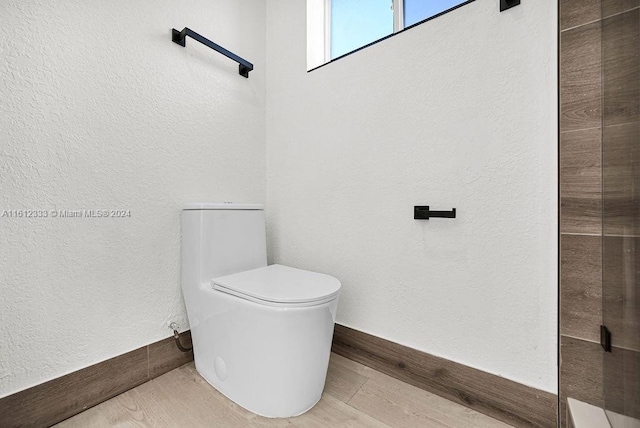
(261, 334)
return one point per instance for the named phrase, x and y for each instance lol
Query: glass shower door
(621, 209)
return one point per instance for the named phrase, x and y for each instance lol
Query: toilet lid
(280, 284)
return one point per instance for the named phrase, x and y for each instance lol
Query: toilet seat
(279, 285)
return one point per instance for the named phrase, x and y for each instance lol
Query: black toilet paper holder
(422, 212)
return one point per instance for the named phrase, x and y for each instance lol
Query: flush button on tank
(221, 368)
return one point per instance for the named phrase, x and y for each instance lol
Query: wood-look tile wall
(580, 202)
(599, 102)
(621, 220)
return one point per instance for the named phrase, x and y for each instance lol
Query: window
(338, 27)
(415, 11)
(355, 23)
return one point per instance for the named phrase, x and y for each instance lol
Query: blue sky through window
(355, 23)
(418, 10)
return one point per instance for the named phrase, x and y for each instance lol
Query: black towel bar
(179, 37)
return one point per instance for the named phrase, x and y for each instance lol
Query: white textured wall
(459, 112)
(100, 110)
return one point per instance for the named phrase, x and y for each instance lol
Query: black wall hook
(508, 4)
(179, 37)
(424, 213)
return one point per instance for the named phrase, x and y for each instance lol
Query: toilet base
(264, 416)
(270, 360)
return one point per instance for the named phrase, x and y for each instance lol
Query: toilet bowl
(261, 334)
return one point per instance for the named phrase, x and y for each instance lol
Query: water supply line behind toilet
(176, 335)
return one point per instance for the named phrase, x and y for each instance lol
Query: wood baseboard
(500, 398)
(54, 401)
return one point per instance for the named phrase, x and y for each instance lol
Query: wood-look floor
(354, 396)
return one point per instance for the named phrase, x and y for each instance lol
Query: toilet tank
(221, 239)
